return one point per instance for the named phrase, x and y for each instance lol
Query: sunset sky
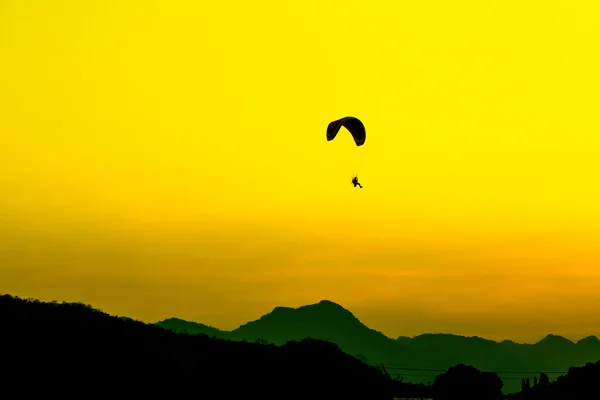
(168, 159)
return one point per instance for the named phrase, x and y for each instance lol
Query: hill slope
(329, 321)
(73, 349)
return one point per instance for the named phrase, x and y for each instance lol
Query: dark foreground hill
(331, 322)
(578, 383)
(71, 349)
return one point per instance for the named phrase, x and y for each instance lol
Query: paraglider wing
(353, 125)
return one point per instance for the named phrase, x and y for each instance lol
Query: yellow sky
(168, 158)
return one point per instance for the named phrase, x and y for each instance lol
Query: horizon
(170, 158)
(573, 339)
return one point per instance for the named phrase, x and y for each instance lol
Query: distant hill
(325, 321)
(331, 322)
(192, 328)
(71, 349)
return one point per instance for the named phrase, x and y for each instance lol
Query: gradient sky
(168, 158)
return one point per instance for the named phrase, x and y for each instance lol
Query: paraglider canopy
(353, 125)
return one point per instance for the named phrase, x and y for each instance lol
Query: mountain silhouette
(590, 344)
(192, 328)
(72, 349)
(578, 383)
(329, 321)
(325, 321)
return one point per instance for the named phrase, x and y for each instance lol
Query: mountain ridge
(72, 349)
(277, 309)
(331, 322)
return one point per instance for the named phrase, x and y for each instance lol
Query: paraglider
(355, 182)
(353, 125)
(356, 129)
